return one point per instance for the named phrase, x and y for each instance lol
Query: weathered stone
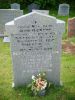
(35, 47)
(15, 6)
(63, 9)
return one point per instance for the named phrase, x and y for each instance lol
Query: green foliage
(4, 5)
(45, 4)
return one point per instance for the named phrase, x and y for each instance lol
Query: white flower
(45, 85)
(39, 74)
(33, 77)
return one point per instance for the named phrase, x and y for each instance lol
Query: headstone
(35, 47)
(6, 39)
(63, 9)
(15, 6)
(7, 15)
(33, 6)
(42, 11)
(71, 27)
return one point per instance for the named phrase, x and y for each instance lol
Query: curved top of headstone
(15, 6)
(36, 13)
(64, 4)
(41, 11)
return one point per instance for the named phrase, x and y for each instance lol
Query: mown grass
(66, 92)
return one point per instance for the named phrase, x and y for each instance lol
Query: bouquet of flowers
(39, 84)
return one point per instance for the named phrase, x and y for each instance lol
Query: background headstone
(15, 6)
(7, 15)
(35, 47)
(71, 27)
(63, 9)
(33, 6)
(42, 11)
(6, 39)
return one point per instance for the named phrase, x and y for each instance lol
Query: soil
(68, 47)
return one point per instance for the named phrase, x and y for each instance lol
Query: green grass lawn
(66, 92)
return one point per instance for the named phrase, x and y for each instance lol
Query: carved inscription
(35, 38)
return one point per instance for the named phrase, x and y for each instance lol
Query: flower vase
(42, 92)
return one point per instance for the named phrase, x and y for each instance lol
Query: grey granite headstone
(35, 47)
(15, 6)
(63, 9)
(33, 6)
(7, 15)
(42, 11)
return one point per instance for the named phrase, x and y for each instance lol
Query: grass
(66, 92)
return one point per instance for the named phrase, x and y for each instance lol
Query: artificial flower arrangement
(39, 84)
